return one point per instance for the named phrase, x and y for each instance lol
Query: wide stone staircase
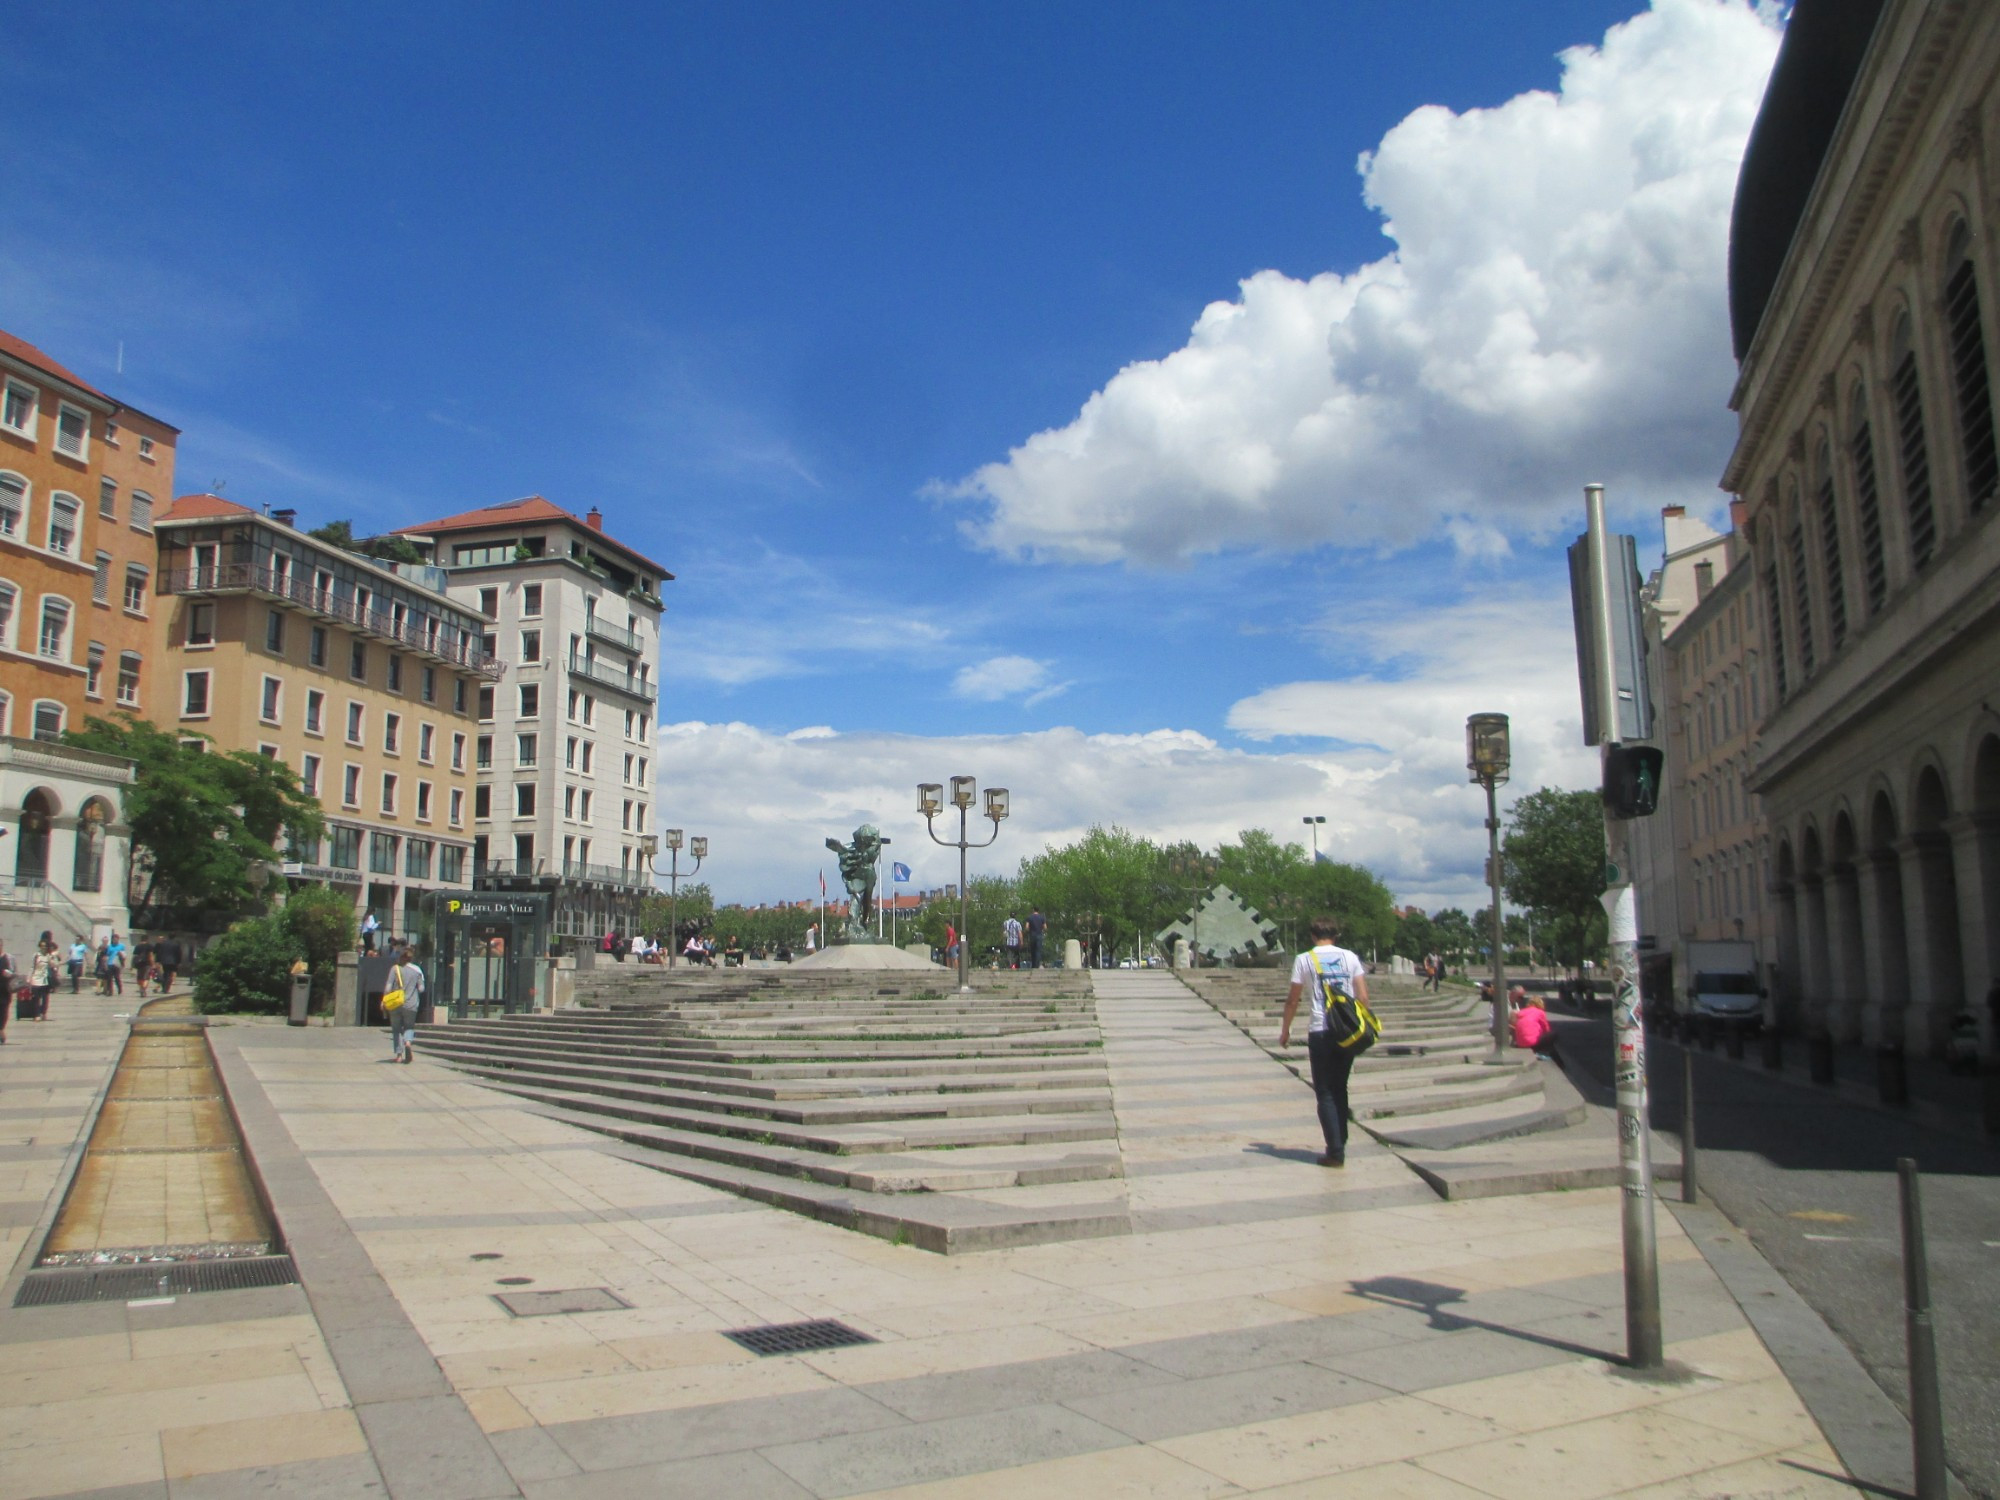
(882, 1102)
(1470, 1124)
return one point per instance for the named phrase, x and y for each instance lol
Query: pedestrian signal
(1632, 780)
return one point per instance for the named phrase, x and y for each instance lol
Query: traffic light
(1632, 780)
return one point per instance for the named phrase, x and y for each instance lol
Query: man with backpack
(1341, 1029)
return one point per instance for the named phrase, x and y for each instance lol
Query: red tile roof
(28, 354)
(203, 508)
(528, 509)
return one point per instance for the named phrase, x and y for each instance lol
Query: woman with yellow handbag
(402, 1013)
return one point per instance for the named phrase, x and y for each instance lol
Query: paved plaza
(1268, 1327)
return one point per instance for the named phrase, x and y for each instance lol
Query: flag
(899, 873)
(822, 885)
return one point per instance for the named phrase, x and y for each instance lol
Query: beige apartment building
(362, 676)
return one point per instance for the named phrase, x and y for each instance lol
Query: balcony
(625, 640)
(568, 871)
(622, 682)
(454, 648)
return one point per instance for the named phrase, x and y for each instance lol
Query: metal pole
(1500, 1030)
(964, 909)
(673, 908)
(1690, 1186)
(1644, 1345)
(1926, 1406)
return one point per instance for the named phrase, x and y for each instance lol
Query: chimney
(1673, 512)
(286, 517)
(595, 520)
(1739, 512)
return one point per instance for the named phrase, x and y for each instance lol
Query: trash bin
(302, 989)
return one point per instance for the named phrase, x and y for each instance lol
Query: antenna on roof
(121, 356)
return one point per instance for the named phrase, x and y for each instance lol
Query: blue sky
(790, 290)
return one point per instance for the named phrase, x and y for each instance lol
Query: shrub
(321, 922)
(247, 969)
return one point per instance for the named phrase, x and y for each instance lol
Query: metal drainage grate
(46, 1288)
(547, 1304)
(797, 1338)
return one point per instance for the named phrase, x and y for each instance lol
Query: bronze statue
(857, 873)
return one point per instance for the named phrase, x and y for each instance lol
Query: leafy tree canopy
(1553, 863)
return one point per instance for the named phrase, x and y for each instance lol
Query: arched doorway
(31, 852)
(1816, 978)
(1784, 893)
(1882, 896)
(92, 825)
(1853, 1004)
(1939, 988)
(1986, 843)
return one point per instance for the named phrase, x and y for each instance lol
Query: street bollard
(1892, 1078)
(1926, 1406)
(1774, 1049)
(1690, 1192)
(1819, 1057)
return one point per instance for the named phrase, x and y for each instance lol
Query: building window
(345, 850)
(268, 709)
(524, 852)
(142, 507)
(357, 661)
(1836, 577)
(482, 753)
(575, 702)
(274, 632)
(100, 580)
(486, 704)
(417, 858)
(194, 695)
(309, 775)
(382, 853)
(642, 772)
(388, 794)
(395, 673)
(392, 733)
(531, 599)
(107, 499)
(64, 514)
(589, 756)
(639, 819)
(72, 431)
(569, 802)
(423, 802)
(625, 816)
(18, 413)
(489, 599)
(48, 720)
(457, 807)
(350, 785)
(135, 589)
(589, 710)
(569, 753)
(128, 679)
(54, 641)
(1802, 597)
(354, 723)
(451, 864)
(458, 752)
(583, 806)
(1968, 369)
(93, 671)
(13, 503)
(482, 803)
(524, 799)
(426, 743)
(315, 711)
(201, 625)
(146, 449)
(531, 700)
(1908, 395)
(430, 688)
(316, 646)
(9, 597)
(525, 749)
(531, 645)
(458, 695)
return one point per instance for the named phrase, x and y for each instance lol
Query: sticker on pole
(1622, 907)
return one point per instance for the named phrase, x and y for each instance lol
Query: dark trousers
(1034, 950)
(1330, 1066)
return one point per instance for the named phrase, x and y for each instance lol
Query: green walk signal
(1632, 780)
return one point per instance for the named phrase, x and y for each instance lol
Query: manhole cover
(547, 1304)
(797, 1338)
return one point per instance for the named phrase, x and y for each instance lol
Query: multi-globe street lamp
(1313, 821)
(649, 846)
(930, 802)
(1487, 755)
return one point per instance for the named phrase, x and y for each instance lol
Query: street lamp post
(878, 886)
(1487, 755)
(1313, 822)
(649, 846)
(930, 802)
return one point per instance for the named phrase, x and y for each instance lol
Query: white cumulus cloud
(1002, 677)
(1553, 312)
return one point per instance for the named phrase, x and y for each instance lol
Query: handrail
(567, 869)
(449, 644)
(624, 682)
(617, 635)
(51, 894)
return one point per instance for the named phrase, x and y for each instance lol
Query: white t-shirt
(1340, 963)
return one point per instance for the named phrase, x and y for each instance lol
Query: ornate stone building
(1862, 293)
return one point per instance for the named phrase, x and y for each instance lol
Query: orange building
(79, 471)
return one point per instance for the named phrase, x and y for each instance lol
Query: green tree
(990, 900)
(205, 825)
(694, 910)
(248, 968)
(1416, 936)
(1455, 936)
(320, 921)
(1109, 883)
(1553, 864)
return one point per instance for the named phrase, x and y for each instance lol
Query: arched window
(1867, 503)
(1829, 544)
(65, 517)
(31, 854)
(88, 871)
(13, 503)
(1801, 571)
(1906, 391)
(1774, 614)
(1968, 372)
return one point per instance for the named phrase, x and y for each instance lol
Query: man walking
(167, 954)
(1038, 925)
(1010, 939)
(79, 955)
(1326, 962)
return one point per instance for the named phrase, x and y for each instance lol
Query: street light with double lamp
(1313, 822)
(1487, 755)
(649, 846)
(930, 802)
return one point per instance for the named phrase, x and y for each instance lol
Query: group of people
(1035, 930)
(26, 984)
(1432, 972)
